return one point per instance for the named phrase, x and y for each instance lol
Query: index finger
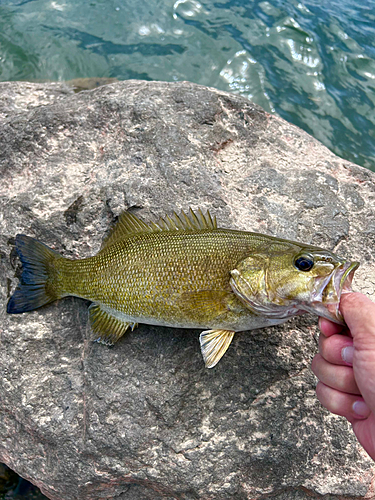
(328, 328)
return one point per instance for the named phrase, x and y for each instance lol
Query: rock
(19, 97)
(145, 419)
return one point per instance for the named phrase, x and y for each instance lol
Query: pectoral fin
(107, 329)
(214, 344)
(206, 304)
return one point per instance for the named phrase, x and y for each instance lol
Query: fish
(184, 271)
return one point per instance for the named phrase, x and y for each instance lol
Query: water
(12, 487)
(312, 62)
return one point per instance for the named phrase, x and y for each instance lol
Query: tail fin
(35, 287)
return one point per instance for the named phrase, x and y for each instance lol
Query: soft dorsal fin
(128, 224)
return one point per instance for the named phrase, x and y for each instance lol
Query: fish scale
(185, 272)
(157, 267)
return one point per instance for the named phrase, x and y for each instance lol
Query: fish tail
(38, 280)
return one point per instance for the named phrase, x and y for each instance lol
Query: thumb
(359, 314)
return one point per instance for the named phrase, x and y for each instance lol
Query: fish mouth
(327, 292)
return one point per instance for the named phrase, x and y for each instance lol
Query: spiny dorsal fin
(193, 221)
(214, 344)
(130, 224)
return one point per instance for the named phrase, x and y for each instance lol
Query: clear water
(312, 62)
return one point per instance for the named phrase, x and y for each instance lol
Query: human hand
(345, 367)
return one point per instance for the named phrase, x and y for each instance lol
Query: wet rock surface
(145, 419)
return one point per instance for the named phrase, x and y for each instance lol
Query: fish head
(286, 279)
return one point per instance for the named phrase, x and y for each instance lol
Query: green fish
(185, 272)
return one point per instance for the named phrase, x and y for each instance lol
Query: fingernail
(361, 409)
(347, 354)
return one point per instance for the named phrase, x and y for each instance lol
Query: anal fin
(107, 329)
(214, 344)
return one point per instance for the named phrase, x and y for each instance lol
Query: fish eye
(304, 263)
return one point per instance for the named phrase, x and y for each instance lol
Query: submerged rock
(145, 419)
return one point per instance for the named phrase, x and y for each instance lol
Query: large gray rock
(18, 97)
(145, 419)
